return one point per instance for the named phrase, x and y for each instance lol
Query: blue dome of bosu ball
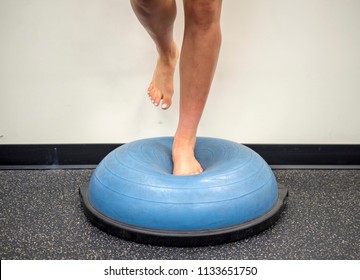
(133, 194)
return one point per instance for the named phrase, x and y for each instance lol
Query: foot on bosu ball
(132, 194)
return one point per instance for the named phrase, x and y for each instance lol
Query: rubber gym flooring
(42, 218)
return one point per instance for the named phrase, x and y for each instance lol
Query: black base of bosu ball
(132, 194)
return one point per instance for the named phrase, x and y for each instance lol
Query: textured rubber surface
(133, 192)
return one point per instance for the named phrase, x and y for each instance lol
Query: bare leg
(157, 17)
(199, 55)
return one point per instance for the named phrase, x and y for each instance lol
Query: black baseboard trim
(53, 155)
(278, 156)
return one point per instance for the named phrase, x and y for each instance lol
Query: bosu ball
(133, 194)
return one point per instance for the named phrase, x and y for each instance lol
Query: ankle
(182, 141)
(169, 53)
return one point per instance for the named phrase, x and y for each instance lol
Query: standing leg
(199, 55)
(157, 17)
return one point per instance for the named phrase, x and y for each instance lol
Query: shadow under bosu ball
(132, 194)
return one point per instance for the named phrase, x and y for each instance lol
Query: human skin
(198, 59)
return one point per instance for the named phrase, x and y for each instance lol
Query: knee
(202, 13)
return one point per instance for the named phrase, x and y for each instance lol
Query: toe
(166, 103)
(157, 98)
(154, 96)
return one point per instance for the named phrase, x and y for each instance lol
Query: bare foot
(183, 157)
(162, 84)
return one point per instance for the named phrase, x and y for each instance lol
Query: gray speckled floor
(41, 218)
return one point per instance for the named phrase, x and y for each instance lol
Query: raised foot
(161, 88)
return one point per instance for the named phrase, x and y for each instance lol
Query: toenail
(164, 106)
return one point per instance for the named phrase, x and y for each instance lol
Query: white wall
(76, 71)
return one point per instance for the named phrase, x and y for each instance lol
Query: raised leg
(157, 17)
(199, 55)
